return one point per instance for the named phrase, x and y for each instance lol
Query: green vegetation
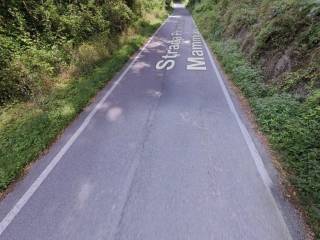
(271, 50)
(55, 56)
(40, 40)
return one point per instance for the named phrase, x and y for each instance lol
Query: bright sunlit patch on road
(84, 194)
(178, 5)
(114, 114)
(155, 44)
(136, 68)
(105, 106)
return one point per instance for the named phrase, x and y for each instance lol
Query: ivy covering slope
(271, 50)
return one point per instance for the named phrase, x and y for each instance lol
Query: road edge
(92, 108)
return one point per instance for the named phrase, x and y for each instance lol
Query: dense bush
(38, 39)
(271, 50)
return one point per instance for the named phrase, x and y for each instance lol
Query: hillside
(271, 50)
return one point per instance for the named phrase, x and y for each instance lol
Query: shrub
(39, 38)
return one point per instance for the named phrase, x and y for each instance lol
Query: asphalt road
(161, 154)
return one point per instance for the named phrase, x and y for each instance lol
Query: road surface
(160, 155)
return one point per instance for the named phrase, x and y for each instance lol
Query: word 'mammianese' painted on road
(197, 61)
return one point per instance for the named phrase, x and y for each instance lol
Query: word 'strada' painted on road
(196, 62)
(168, 61)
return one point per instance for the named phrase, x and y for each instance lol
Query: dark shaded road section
(161, 155)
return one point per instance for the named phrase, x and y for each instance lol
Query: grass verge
(28, 128)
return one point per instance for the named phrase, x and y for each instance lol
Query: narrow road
(161, 155)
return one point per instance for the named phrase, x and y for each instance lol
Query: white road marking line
(253, 150)
(36, 184)
(248, 139)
